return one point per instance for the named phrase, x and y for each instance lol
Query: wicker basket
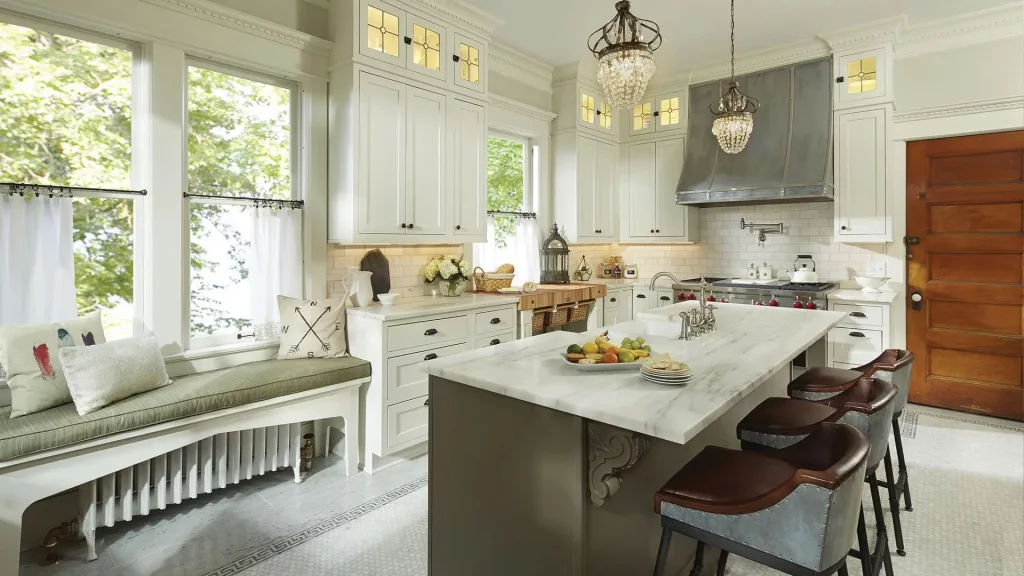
(558, 317)
(579, 312)
(493, 281)
(538, 322)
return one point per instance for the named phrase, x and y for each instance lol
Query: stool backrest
(895, 366)
(868, 405)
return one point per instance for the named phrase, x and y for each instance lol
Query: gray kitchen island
(538, 468)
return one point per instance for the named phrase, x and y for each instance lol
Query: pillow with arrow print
(312, 328)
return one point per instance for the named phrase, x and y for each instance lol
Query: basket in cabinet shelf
(494, 281)
(579, 312)
(558, 317)
(539, 318)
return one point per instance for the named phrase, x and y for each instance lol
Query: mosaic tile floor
(967, 477)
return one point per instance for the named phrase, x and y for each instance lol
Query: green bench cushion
(186, 396)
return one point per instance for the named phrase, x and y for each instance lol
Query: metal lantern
(554, 259)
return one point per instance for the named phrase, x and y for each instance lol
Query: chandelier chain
(732, 40)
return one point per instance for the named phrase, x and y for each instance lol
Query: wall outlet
(876, 269)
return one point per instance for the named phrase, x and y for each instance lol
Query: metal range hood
(789, 156)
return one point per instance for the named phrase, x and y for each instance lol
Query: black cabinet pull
(495, 342)
(430, 356)
(495, 320)
(858, 335)
(641, 295)
(858, 315)
(613, 300)
(426, 402)
(842, 227)
(403, 224)
(410, 225)
(840, 79)
(458, 227)
(657, 231)
(455, 57)
(408, 41)
(652, 230)
(657, 113)
(430, 332)
(665, 298)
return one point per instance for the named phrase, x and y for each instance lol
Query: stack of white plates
(666, 372)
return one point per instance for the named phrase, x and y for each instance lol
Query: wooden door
(643, 207)
(425, 162)
(965, 207)
(382, 208)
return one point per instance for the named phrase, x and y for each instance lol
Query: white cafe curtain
(37, 260)
(275, 263)
(522, 250)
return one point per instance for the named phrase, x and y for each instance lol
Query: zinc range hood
(789, 156)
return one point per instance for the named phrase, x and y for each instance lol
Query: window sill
(223, 350)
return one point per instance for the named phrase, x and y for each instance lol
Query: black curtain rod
(265, 202)
(21, 188)
(515, 214)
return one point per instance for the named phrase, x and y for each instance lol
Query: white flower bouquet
(450, 271)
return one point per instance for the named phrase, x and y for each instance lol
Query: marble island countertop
(751, 344)
(848, 295)
(405, 308)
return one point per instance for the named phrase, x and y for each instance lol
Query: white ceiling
(696, 32)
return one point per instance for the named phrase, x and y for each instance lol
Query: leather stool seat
(788, 416)
(821, 380)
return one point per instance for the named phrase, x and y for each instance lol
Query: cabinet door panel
(381, 194)
(425, 149)
(471, 69)
(670, 112)
(642, 199)
(381, 32)
(861, 206)
(671, 216)
(641, 118)
(586, 168)
(426, 53)
(469, 143)
(863, 76)
(605, 205)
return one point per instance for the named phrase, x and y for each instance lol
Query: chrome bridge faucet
(696, 323)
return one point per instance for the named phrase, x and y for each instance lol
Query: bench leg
(87, 517)
(352, 432)
(296, 453)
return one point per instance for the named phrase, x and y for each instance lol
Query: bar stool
(794, 510)
(867, 404)
(892, 365)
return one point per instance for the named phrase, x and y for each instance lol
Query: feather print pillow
(30, 355)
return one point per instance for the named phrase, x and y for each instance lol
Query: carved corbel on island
(612, 451)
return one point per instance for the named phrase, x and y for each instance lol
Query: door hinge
(908, 240)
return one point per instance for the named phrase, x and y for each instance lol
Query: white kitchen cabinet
(382, 32)
(470, 62)
(862, 335)
(382, 160)
(861, 199)
(426, 47)
(425, 143)
(663, 297)
(586, 203)
(654, 169)
(666, 112)
(594, 111)
(863, 76)
(614, 310)
(643, 300)
(641, 118)
(469, 177)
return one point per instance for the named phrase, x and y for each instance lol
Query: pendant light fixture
(625, 58)
(734, 112)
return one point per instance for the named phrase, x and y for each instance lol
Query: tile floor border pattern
(908, 424)
(317, 530)
(977, 419)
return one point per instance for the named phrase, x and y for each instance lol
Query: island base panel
(509, 493)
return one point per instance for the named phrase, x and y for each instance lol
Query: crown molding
(520, 108)
(225, 16)
(802, 51)
(965, 30)
(464, 13)
(518, 66)
(578, 71)
(326, 4)
(980, 107)
(877, 32)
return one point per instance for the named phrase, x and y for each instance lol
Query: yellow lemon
(590, 348)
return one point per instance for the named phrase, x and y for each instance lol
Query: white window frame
(138, 92)
(296, 138)
(529, 166)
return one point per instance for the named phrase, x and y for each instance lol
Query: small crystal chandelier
(734, 113)
(625, 59)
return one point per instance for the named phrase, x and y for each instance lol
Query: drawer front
(407, 423)
(406, 378)
(855, 345)
(858, 315)
(425, 333)
(496, 321)
(494, 340)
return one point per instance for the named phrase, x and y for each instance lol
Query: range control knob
(811, 305)
(723, 300)
(798, 303)
(711, 298)
(773, 302)
(691, 296)
(680, 296)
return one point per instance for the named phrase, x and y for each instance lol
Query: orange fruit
(610, 358)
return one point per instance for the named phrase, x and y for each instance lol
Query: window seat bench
(46, 453)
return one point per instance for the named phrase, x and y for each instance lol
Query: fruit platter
(602, 355)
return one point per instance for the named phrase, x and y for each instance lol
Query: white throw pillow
(101, 375)
(29, 354)
(312, 328)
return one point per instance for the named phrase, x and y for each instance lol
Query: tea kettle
(800, 273)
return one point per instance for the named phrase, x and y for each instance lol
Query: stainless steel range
(781, 293)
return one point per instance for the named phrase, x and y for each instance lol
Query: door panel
(605, 209)
(965, 201)
(470, 163)
(642, 206)
(425, 148)
(862, 206)
(671, 216)
(587, 187)
(382, 157)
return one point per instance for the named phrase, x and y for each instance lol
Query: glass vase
(452, 286)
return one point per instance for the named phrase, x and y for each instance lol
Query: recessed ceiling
(696, 32)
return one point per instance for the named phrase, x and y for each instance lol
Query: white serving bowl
(871, 284)
(387, 299)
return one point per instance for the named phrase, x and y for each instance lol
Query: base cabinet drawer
(496, 321)
(855, 345)
(494, 340)
(425, 333)
(406, 378)
(859, 315)
(407, 423)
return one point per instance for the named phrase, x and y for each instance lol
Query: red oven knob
(691, 296)
(758, 303)
(711, 298)
(773, 302)
(724, 300)
(811, 305)
(798, 303)
(680, 296)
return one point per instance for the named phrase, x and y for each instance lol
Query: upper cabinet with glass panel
(861, 78)
(426, 43)
(468, 57)
(382, 32)
(662, 113)
(594, 111)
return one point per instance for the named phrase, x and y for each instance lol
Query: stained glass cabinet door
(382, 32)
(426, 45)
(469, 62)
(670, 112)
(863, 77)
(641, 117)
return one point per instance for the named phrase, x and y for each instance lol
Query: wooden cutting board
(375, 261)
(548, 295)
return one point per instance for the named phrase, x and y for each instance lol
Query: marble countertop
(615, 282)
(405, 308)
(751, 344)
(858, 296)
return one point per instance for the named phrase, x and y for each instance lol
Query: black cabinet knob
(455, 57)
(495, 320)
(641, 295)
(842, 227)
(858, 315)
(857, 334)
(665, 298)
(652, 230)
(458, 227)
(403, 225)
(430, 332)
(430, 356)
(495, 342)
(658, 231)
(410, 225)
(613, 300)
(408, 41)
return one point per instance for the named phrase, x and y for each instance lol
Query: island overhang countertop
(750, 344)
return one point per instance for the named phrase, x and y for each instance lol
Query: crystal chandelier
(625, 59)
(734, 113)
